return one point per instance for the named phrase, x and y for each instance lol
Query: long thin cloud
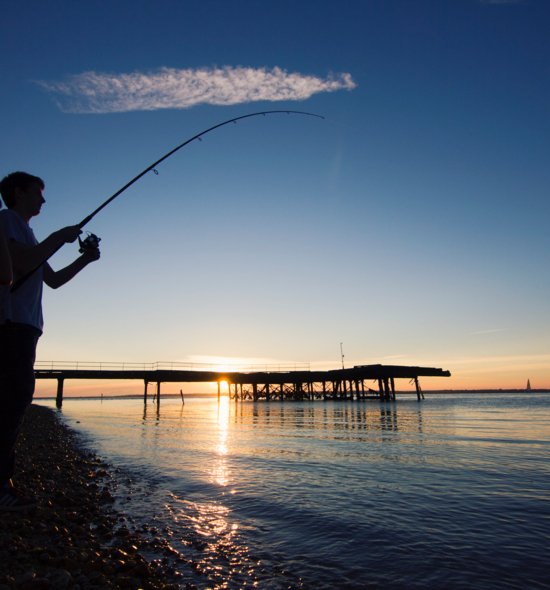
(501, 1)
(489, 331)
(169, 88)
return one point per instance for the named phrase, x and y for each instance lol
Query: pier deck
(298, 384)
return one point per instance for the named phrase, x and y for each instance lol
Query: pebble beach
(74, 538)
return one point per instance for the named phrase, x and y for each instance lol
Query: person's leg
(17, 355)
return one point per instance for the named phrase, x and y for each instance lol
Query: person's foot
(12, 500)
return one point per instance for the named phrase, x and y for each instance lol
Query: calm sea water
(452, 492)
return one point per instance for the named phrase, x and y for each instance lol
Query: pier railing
(166, 366)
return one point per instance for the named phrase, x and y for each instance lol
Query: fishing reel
(89, 244)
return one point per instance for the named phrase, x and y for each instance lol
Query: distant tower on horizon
(528, 388)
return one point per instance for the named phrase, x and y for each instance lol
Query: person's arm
(6, 272)
(56, 279)
(25, 258)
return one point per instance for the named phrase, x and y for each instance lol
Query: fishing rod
(92, 241)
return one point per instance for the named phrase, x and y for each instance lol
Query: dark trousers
(17, 353)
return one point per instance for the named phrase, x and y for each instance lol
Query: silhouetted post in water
(182, 400)
(146, 384)
(59, 396)
(419, 394)
(158, 394)
(387, 394)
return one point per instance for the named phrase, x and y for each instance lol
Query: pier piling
(59, 395)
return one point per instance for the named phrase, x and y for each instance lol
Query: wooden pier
(340, 384)
(269, 385)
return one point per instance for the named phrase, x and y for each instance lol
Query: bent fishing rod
(92, 241)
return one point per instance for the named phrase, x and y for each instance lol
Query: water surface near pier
(452, 492)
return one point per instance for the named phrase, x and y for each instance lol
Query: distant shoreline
(214, 395)
(480, 391)
(491, 391)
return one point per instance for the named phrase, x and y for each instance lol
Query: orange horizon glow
(504, 372)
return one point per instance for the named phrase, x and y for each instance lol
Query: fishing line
(92, 241)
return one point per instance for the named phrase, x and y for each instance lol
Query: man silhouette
(21, 320)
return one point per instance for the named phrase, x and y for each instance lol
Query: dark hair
(15, 180)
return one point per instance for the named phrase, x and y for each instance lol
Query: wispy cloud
(231, 363)
(489, 331)
(505, 361)
(169, 88)
(501, 1)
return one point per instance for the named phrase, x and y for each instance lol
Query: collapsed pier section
(340, 384)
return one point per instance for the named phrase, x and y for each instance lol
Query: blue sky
(411, 224)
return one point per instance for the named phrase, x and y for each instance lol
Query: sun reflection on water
(210, 540)
(220, 470)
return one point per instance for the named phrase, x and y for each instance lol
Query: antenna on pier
(342, 353)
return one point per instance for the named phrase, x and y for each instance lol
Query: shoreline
(75, 538)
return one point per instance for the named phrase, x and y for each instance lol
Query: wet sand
(74, 539)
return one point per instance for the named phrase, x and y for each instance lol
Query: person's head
(23, 191)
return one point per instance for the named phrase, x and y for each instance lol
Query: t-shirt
(24, 305)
